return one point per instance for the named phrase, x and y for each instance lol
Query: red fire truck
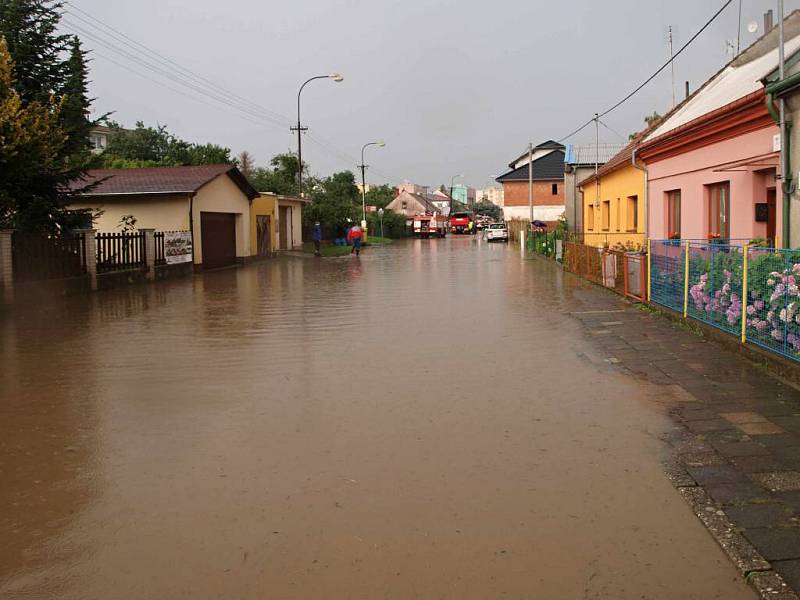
(461, 222)
(428, 225)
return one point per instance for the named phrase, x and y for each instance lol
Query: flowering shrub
(773, 313)
(715, 292)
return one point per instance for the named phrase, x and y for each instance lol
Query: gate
(218, 239)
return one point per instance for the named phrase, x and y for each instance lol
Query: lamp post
(300, 129)
(363, 168)
(380, 214)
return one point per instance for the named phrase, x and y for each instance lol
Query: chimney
(768, 24)
(687, 89)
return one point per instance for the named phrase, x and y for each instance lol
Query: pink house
(712, 163)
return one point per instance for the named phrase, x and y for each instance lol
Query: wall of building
(162, 213)
(692, 171)
(515, 193)
(573, 202)
(264, 205)
(296, 228)
(224, 196)
(615, 188)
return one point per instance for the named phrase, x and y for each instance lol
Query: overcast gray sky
(451, 86)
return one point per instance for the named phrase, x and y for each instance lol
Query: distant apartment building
(490, 194)
(464, 194)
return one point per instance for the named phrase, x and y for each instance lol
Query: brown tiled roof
(158, 180)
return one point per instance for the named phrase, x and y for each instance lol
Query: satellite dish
(752, 27)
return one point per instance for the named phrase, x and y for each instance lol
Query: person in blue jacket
(316, 235)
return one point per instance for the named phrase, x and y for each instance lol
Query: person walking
(354, 236)
(316, 235)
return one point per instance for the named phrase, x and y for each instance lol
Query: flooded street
(428, 421)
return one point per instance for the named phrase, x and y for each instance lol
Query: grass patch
(375, 240)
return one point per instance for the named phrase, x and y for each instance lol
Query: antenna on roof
(672, 65)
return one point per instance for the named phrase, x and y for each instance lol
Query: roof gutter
(646, 194)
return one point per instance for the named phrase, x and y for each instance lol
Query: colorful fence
(749, 292)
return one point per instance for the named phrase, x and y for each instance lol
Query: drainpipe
(772, 90)
(191, 226)
(646, 194)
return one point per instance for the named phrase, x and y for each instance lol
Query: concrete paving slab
(733, 449)
(752, 516)
(790, 571)
(766, 428)
(744, 417)
(713, 474)
(737, 493)
(758, 464)
(775, 543)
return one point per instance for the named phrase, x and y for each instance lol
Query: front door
(771, 216)
(285, 216)
(218, 232)
(263, 235)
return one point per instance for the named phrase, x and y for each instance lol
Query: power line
(132, 50)
(654, 75)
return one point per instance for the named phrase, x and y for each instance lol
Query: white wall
(540, 213)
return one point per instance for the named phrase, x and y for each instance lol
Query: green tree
(33, 179)
(281, 175)
(156, 146)
(75, 107)
(334, 200)
(380, 195)
(484, 207)
(30, 29)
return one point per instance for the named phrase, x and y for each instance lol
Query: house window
(619, 215)
(633, 213)
(606, 215)
(674, 214)
(554, 189)
(719, 210)
(589, 217)
(405, 205)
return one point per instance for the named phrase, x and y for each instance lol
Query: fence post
(686, 283)
(522, 241)
(6, 265)
(90, 252)
(745, 294)
(150, 252)
(649, 271)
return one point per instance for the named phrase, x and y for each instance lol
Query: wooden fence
(120, 251)
(37, 257)
(620, 271)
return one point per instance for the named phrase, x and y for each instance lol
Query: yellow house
(614, 211)
(264, 225)
(276, 223)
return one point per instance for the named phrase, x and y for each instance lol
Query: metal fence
(37, 257)
(747, 291)
(547, 243)
(120, 251)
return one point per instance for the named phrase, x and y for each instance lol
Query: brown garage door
(218, 232)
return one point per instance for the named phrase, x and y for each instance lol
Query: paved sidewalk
(736, 443)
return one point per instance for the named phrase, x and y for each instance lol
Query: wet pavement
(437, 419)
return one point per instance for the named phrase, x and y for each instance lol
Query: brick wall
(516, 193)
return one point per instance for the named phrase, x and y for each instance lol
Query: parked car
(497, 232)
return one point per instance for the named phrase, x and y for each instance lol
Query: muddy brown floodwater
(424, 422)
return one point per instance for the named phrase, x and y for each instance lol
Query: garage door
(218, 234)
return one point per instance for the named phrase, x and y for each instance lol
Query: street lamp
(380, 214)
(300, 129)
(452, 182)
(363, 168)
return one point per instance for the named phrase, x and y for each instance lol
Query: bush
(394, 224)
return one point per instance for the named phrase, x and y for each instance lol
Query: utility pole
(596, 162)
(672, 65)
